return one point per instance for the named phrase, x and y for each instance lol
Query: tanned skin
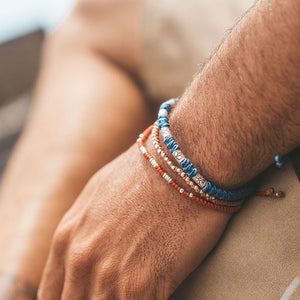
(131, 236)
(137, 238)
(245, 102)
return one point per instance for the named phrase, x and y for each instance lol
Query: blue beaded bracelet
(188, 167)
(279, 161)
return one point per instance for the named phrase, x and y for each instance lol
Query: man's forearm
(244, 107)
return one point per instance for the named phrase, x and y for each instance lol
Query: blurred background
(23, 25)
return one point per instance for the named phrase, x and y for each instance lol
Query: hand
(128, 236)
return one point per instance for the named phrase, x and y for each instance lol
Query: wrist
(181, 177)
(210, 155)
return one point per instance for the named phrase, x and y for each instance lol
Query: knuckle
(108, 274)
(80, 260)
(107, 279)
(133, 289)
(60, 240)
(39, 294)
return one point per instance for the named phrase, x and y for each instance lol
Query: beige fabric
(14, 114)
(259, 254)
(179, 36)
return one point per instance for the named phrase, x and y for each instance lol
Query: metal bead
(163, 112)
(153, 162)
(166, 177)
(181, 190)
(178, 155)
(143, 150)
(279, 194)
(165, 132)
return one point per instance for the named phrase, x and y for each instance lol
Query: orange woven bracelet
(163, 174)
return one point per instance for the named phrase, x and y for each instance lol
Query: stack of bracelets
(206, 193)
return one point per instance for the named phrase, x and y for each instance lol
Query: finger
(52, 280)
(79, 267)
(74, 290)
